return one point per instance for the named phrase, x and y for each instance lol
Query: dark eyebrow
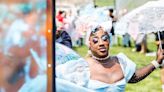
(105, 35)
(93, 36)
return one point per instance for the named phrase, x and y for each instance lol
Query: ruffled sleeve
(129, 67)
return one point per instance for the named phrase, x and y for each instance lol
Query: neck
(100, 59)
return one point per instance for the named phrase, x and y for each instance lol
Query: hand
(160, 55)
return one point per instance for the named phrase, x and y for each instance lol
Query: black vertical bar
(53, 44)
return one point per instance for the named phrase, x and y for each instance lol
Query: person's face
(99, 43)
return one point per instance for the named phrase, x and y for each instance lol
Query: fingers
(160, 53)
(160, 50)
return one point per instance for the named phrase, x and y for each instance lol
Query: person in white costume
(112, 73)
(101, 72)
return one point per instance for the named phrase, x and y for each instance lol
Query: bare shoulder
(114, 58)
(88, 58)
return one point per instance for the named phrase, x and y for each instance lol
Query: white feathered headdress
(105, 25)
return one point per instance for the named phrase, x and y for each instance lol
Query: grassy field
(130, 4)
(151, 83)
(104, 2)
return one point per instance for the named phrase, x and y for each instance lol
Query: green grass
(151, 83)
(130, 4)
(104, 2)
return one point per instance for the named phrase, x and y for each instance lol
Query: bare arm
(142, 73)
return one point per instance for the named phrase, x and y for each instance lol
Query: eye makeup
(95, 40)
(104, 37)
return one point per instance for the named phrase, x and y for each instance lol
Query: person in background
(125, 37)
(69, 24)
(141, 43)
(60, 16)
(113, 18)
(62, 36)
(126, 40)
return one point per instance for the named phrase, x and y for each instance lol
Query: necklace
(100, 59)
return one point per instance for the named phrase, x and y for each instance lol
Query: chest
(107, 75)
